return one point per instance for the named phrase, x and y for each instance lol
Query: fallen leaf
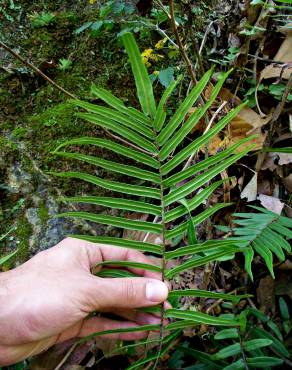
(271, 203)
(266, 294)
(269, 161)
(265, 186)
(288, 211)
(285, 158)
(140, 235)
(287, 181)
(287, 265)
(284, 55)
(51, 358)
(245, 124)
(250, 190)
(283, 283)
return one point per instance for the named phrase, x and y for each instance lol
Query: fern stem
(163, 251)
(242, 351)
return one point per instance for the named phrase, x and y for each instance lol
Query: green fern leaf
(265, 233)
(143, 83)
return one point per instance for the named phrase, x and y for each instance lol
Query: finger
(103, 252)
(12, 354)
(98, 324)
(141, 318)
(125, 293)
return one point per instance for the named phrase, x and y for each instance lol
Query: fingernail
(156, 291)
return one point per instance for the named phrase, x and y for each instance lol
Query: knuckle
(130, 290)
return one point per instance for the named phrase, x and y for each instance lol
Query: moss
(19, 132)
(43, 213)
(7, 145)
(23, 232)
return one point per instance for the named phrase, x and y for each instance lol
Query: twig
(214, 116)
(242, 350)
(37, 70)
(205, 37)
(162, 7)
(65, 358)
(274, 118)
(178, 40)
(127, 143)
(159, 30)
(207, 129)
(147, 234)
(265, 59)
(280, 106)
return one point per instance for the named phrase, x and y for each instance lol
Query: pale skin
(48, 299)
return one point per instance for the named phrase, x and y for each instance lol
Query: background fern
(165, 190)
(265, 233)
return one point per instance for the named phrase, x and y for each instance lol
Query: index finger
(98, 252)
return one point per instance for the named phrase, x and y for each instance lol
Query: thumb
(127, 293)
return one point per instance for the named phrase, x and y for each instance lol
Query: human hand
(47, 300)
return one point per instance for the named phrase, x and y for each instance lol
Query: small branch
(162, 7)
(242, 351)
(276, 115)
(159, 30)
(214, 116)
(178, 40)
(128, 143)
(265, 59)
(207, 129)
(205, 37)
(280, 106)
(37, 70)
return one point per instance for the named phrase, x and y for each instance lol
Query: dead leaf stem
(36, 69)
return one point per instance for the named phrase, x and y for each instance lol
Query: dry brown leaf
(284, 55)
(266, 294)
(265, 186)
(246, 123)
(250, 190)
(269, 162)
(140, 235)
(287, 181)
(271, 203)
(285, 158)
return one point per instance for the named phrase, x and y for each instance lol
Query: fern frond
(172, 197)
(266, 233)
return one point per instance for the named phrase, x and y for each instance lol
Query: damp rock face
(34, 204)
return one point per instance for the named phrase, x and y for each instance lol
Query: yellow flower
(160, 43)
(156, 73)
(146, 55)
(92, 2)
(147, 52)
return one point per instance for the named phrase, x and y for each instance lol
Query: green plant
(165, 191)
(109, 14)
(64, 64)
(42, 19)
(6, 6)
(263, 232)
(259, 344)
(8, 257)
